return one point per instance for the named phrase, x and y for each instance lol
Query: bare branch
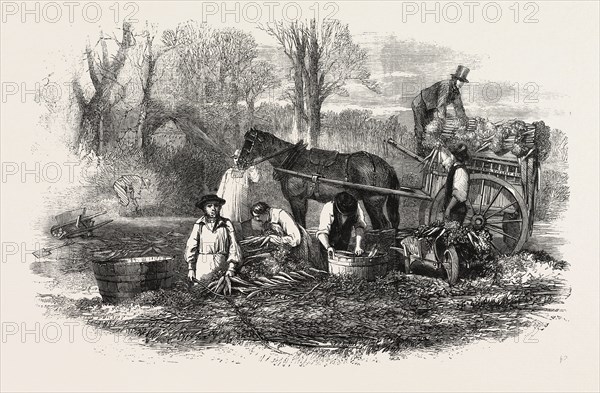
(79, 96)
(92, 68)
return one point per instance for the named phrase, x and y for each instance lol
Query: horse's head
(255, 147)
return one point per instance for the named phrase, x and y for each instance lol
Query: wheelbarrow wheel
(451, 265)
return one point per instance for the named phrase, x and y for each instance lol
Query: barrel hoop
(134, 278)
(370, 265)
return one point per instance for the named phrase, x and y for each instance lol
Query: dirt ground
(320, 315)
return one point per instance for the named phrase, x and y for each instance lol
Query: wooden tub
(124, 278)
(368, 268)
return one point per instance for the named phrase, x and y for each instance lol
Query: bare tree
(293, 42)
(329, 59)
(234, 51)
(104, 75)
(147, 69)
(257, 79)
(212, 60)
(193, 58)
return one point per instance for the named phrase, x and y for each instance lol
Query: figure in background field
(234, 189)
(338, 218)
(431, 104)
(129, 188)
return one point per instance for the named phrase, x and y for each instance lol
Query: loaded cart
(501, 199)
(504, 179)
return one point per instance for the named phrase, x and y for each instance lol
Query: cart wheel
(495, 206)
(57, 232)
(451, 265)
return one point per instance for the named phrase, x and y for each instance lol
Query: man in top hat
(234, 188)
(431, 103)
(457, 183)
(212, 245)
(336, 222)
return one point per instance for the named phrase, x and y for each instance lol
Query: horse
(358, 167)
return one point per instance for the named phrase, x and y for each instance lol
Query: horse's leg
(374, 204)
(299, 207)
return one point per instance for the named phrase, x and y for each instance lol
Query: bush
(182, 177)
(553, 198)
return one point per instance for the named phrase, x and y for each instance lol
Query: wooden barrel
(124, 278)
(368, 268)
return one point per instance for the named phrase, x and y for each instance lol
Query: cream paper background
(560, 53)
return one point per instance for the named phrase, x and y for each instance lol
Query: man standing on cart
(431, 104)
(457, 183)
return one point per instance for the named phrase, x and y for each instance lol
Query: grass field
(319, 316)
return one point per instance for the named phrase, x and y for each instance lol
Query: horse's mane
(265, 134)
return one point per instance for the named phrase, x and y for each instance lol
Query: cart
(501, 200)
(75, 223)
(433, 254)
(501, 197)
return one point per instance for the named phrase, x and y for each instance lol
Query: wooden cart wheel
(496, 206)
(57, 232)
(451, 264)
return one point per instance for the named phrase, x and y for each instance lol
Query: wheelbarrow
(433, 254)
(75, 223)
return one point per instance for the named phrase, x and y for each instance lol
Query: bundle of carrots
(225, 285)
(469, 241)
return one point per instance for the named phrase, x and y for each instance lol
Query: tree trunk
(298, 59)
(141, 138)
(312, 80)
(250, 113)
(100, 134)
(315, 123)
(139, 135)
(94, 111)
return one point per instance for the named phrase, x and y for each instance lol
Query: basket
(368, 268)
(124, 278)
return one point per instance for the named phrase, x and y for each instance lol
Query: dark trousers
(458, 212)
(422, 118)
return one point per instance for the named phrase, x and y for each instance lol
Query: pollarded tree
(104, 74)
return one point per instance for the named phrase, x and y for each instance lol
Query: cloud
(397, 74)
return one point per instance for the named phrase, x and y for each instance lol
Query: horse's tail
(393, 201)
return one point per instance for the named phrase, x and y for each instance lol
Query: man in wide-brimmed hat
(234, 187)
(212, 245)
(431, 104)
(457, 182)
(336, 222)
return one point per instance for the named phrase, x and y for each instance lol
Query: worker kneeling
(337, 220)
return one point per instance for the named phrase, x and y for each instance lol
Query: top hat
(461, 73)
(460, 151)
(345, 203)
(208, 199)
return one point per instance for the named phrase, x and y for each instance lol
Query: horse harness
(318, 157)
(323, 159)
